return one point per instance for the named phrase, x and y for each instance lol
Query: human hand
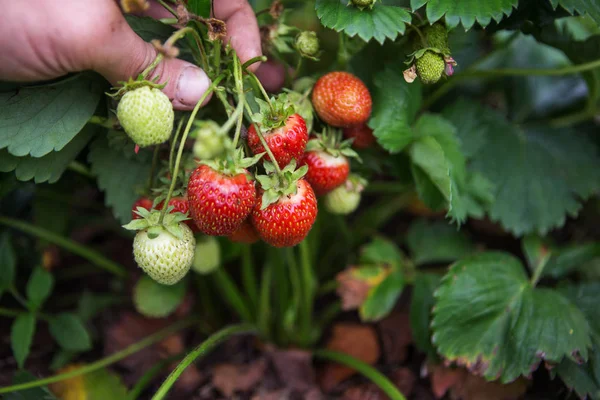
(43, 40)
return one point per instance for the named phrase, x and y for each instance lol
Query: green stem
(153, 167)
(308, 283)
(10, 313)
(106, 361)
(539, 268)
(232, 294)
(264, 306)
(248, 276)
(173, 145)
(102, 121)
(297, 291)
(81, 169)
(239, 85)
(153, 65)
(495, 73)
(205, 347)
(20, 299)
(574, 118)
(169, 21)
(168, 8)
(365, 369)
(253, 60)
(148, 376)
(264, 142)
(94, 257)
(182, 144)
(261, 88)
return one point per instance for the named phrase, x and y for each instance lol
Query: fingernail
(192, 84)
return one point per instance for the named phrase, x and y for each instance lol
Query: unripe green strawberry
(307, 44)
(165, 258)
(361, 4)
(210, 140)
(147, 116)
(207, 256)
(437, 36)
(345, 198)
(430, 67)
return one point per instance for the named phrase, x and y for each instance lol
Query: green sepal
(137, 224)
(415, 55)
(276, 186)
(154, 231)
(133, 85)
(234, 164)
(275, 115)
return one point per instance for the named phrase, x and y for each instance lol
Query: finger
(120, 54)
(271, 75)
(242, 28)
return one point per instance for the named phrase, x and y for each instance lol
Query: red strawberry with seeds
(219, 200)
(143, 202)
(287, 142)
(342, 99)
(287, 221)
(325, 171)
(362, 135)
(245, 233)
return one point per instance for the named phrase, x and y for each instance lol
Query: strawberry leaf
(50, 167)
(437, 242)
(118, 176)
(380, 23)
(422, 302)
(590, 7)
(383, 297)
(500, 326)
(39, 119)
(395, 106)
(466, 12)
(584, 378)
(528, 167)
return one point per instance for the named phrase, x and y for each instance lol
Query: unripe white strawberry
(165, 258)
(147, 116)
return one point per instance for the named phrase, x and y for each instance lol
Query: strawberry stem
(168, 8)
(262, 89)
(239, 85)
(173, 144)
(182, 144)
(253, 60)
(264, 142)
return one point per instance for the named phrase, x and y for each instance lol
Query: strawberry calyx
(150, 219)
(131, 84)
(234, 164)
(273, 114)
(355, 183)
(276, 185)
(330, 142)
(415, 55)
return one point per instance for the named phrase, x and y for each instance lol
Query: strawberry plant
(381, 187)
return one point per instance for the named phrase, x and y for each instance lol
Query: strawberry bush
(435, 160)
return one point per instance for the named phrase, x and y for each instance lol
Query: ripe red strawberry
(362, 135)
(143, 202)
(287, 221)
(287, 142)
(341, 99)
(245, 233)
(325, 171)
(220, 202)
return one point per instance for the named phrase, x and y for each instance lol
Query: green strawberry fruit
(430, 67)
(210, 142)
(163, 256)
(342, 201)
(147, 116)
(307, 44)
(362, 4)
(207, 257)
(437, 36)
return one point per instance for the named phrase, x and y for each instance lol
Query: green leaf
(530, 168)
(68, 331)
(584, 378)
(381, 251)
(436, 242)
(50, 167)
(420, 311)
(536, 251)
(154, 300)
(589, 7)
(563, 261)
(118, 176)
(383, 297)
(395, 106)
(39, 287)
(149, 28)
(466, 12)
(489, 318)
(200, 7)
(104, 384)
(38, 120)
(21, 336)
(381, 23)
(8, 263)
(36, 393)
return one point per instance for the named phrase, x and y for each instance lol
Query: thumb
(123, 54)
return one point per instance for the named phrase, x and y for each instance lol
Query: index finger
(242, 28)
